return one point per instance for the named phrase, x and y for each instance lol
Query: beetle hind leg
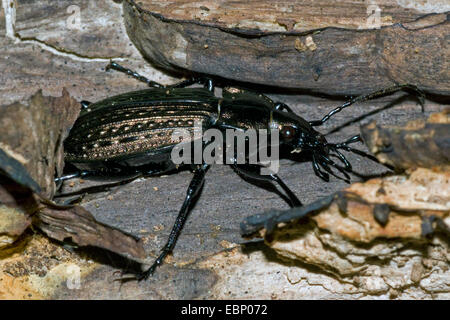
(115, 66)
(85, 104)
(207, 82)
(78, 174)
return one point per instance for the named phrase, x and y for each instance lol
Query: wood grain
(211, 259)
(331, 50)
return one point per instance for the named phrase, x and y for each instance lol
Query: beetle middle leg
(192, 192)
(207, 82)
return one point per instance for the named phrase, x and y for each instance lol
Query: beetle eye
(287, 132)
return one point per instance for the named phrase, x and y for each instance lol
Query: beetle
(132, 133)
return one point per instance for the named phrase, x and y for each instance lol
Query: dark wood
(298, 44)
(418, 144)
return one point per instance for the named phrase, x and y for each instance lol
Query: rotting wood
(372, 219)
(418, 144)
(204, 263)
(263, 42)
(32, 134)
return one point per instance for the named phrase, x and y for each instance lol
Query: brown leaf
(32, 134)
(78, 225)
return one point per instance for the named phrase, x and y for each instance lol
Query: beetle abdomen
(126, 131)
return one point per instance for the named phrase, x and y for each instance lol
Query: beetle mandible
(132, 133)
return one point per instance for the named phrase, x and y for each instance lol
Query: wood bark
(339, 49)
(211, 259)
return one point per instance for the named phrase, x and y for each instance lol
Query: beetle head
(298, 136)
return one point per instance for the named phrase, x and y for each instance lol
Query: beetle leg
(118, 67)
(343, 159)
(96, 188)
(370, 96)
(78, 174)
(341, 169)
(249, 171)
(361, 153)
(85, 104)
(282, 106)
(208, 83)
(323, 175)
(326, 165)
(193, 190)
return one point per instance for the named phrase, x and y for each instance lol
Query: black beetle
(133, 133)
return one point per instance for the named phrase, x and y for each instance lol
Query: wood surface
(211, 260)
(338, 48)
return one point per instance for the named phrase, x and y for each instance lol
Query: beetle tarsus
(115, 66)
(192, 192)
(207, 82)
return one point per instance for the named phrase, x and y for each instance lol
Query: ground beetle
(132, 133)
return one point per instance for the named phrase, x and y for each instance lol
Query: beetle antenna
(407, 87)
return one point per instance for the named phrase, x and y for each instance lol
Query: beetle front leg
(250, 171)
(193, 190)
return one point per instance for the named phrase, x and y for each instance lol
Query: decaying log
(211, 259)
(31, 136)
(418, 144)
(347, 226)
(17, 204)
(345, 48)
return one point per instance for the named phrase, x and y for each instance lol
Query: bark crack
(9, 8)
